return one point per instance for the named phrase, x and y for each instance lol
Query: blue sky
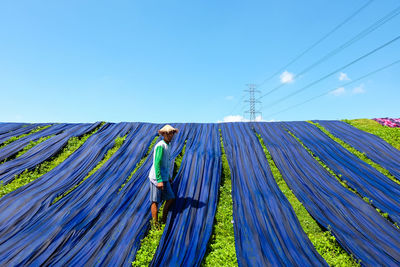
(189, 61)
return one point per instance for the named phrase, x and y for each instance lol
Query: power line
(308, 49)
(240, 101)
(346, 84)
(317, 42)
(392, 14)
(335, 71)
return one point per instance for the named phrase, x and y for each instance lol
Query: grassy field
(221, 248)
(390, 135)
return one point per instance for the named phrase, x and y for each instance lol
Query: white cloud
(259, 118)
(287, 77)
(343, 77)
(233, 118)
(337, 92)
(236, 118)
(359, 90)
(229, 97)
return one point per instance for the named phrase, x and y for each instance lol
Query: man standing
(160, 174)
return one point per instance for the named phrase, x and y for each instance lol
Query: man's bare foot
(155, 225)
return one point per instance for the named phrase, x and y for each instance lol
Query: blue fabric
(13, 148)
(190, 220)
(103, 226)
(85, 204)
(19, 131)
(267, 231)
(374, 147)
(6, 127)
(383, 192)
(34, 199)
(97, 190)
(114, 238)
(41, 152)
(357, 226)
(98, 225)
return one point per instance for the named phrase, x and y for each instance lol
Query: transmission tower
(252, 101)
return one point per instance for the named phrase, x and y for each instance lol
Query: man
(160, 174)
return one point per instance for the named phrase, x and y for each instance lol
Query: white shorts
(158, 195)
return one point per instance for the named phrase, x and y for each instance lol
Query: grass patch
(390, 135)
(28, 176)
(221, 247)
(149, 244)
(359, 154)
(118, 143)
(324, 242)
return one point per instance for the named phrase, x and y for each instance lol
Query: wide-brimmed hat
(167, 129)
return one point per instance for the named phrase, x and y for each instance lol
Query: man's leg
(155, 198)
(168, 203)
(154, 212)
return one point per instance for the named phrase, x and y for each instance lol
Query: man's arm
(157, 163)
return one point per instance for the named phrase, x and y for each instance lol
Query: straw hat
(167, 129)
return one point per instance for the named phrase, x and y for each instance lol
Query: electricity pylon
(252, 101)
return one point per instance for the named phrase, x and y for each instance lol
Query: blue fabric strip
(357, 226)
(267, 231)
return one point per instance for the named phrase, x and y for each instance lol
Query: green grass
(390, 135)
(148, 245)
(359, 154)
(117, 145)
(323, 241)
(221, 247)
(28, 176)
